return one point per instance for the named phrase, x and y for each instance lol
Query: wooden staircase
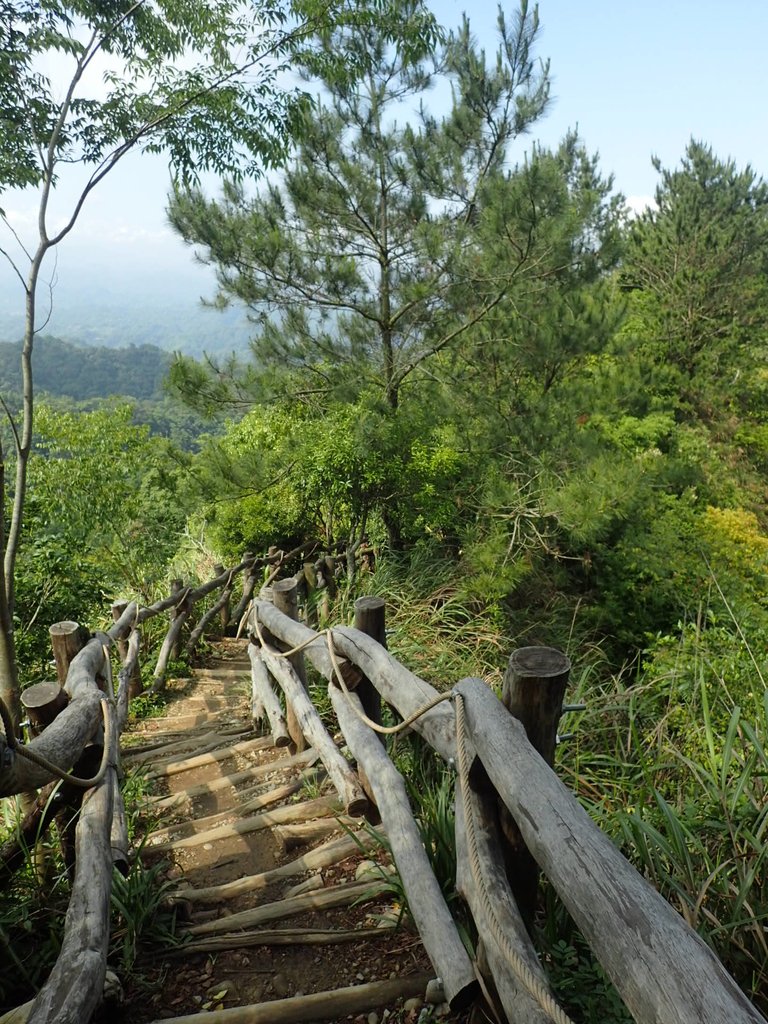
(282, 901)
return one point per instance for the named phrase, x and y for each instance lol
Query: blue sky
(638, 78)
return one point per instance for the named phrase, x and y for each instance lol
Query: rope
(533, 986)
(42, 762)
(384, 730)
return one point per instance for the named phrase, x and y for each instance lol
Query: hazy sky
(638, 77)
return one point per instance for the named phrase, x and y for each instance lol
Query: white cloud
(639, 204)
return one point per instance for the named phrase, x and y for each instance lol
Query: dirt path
(232, 811)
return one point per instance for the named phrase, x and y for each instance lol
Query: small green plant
(141, 915)
(149, 704)
(581, 985)
(312, 785)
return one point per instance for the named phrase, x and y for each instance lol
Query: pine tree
(361, 264)
(698, 262)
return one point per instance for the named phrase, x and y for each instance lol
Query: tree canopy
(362, 262)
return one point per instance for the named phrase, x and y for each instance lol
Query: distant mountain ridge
(166, 313)
(82, 373)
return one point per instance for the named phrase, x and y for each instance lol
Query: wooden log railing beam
(425, 899)
(285, 597)
(265, 698)
(400, 688)
(250, 576)
(219, 608)
(135, 685)
(61, 743)
(517, 1004)
(308, 721)
(170, 644)
(126, 686)
(294, 634)
(661, 968)
(74, 986)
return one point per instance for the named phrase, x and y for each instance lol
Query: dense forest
(82, 373)
(546, 417)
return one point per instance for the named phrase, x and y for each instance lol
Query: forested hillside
(539, 418)
(82, 373)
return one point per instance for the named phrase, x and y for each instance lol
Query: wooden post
(224, 611)
(177, 586)
(135, 685)
(310, 582)
(325, 567)
(370, 613)
(533, 690)
(42, 703)
(285, 597)
(249, 584)
(67, 639)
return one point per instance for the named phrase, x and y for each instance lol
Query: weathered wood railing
(660, 967)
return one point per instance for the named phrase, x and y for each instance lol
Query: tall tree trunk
(9, 676)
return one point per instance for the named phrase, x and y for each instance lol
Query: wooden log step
(194, 825)
(332, 852)
(325, 899)
(259, 771)
(323, 806)
(340, 1002)
(166, 745)
(212, 757)
(179, 749)
(303, 832)
(213, 741)
(282, 937)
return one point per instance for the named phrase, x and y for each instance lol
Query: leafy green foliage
(581, 985)
(141, 914)
(102, 515)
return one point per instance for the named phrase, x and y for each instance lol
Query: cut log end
(358, 807)
(539, 662)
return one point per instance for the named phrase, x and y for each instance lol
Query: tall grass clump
(32, 911)
(433, 628)
(673, 763)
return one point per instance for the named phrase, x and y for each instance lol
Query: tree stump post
(225, 610)
(370, 616)
(42, 703)
(310, 583)
(67, 640)
(533, 690)
(285, 597)
(135, 685)
(177, 587)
